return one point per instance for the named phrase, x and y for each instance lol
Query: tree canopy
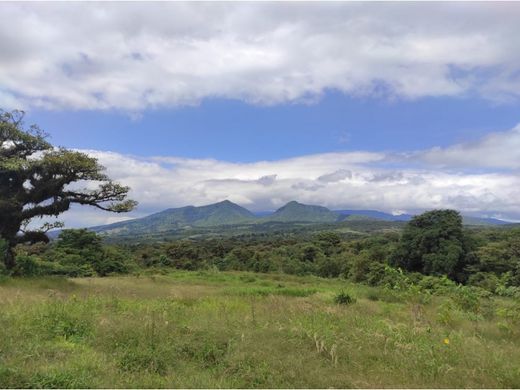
(434, 243)
(38, 180)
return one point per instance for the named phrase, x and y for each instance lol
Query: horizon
(333, 104)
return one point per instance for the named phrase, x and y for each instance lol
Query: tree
(38, 180)
(434, 243)
(83, 250)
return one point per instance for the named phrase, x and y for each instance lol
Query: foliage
(434, 243)
(486, 280)
(35, 181)
(84, 250)
(76, 253)
(367, 259)
(344, 298)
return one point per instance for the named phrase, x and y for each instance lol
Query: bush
(437, 285)
(30, 265)
(359, 267)
(27, 266)
(81, 253)
(383, 275)
(486, 280)
(331, 267)
(113, 261)
(467, 299)
(508, 291)
(344, 298)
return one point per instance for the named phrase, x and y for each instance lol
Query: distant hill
(466, 220)
(228, 216)
(349, 215)
(298, 212)
(373, 214)
(217, 214)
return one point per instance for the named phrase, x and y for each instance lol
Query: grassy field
(214, 329)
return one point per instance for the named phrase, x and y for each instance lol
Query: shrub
(486, 280)
(330, 267)
(30, 265)
(27, 266)
(384, 275)
(510, 291)
(344, 298)
(437, 285)
(467, 299)
(113, 261)
(359, 267)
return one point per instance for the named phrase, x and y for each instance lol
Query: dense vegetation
(433, 305)
(432, 245)
(232, 219)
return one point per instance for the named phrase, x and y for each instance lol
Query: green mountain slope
(297, 212)
(227, 216)
(217, 214)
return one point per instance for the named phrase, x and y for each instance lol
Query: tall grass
(242, 330)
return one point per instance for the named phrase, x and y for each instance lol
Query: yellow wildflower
(446, 341)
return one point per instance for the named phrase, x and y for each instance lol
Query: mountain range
(227, 213)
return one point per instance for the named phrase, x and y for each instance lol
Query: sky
(398, 107)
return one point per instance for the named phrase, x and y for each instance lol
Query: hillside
(372, 214)
(476, 221)
(217, 214)
(298, 212)
(225, 218)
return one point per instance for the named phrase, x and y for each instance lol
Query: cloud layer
(350, 180)
(497, 150)
(133, 56)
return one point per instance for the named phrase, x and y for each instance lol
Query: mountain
(213, 218)
(372, 214)
(349, 215)
(217, 214)
(298, 212)
(467, 220)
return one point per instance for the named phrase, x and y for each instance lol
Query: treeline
(432, 248)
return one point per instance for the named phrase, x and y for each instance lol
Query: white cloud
(356, 180)
(496, 150)
(133, 56)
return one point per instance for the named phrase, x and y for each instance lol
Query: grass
(214, 329)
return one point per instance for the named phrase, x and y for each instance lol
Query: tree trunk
(9, 260)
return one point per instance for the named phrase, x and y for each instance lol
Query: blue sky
(235, 131)
(399, 107)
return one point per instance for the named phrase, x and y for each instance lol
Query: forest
(432, 248)
(434, 305)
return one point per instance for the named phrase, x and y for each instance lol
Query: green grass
(214, 329)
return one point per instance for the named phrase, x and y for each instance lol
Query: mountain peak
(225, 203)
(294, 211)
(294, 203)
(216, 214)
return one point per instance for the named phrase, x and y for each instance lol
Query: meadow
(200, 329)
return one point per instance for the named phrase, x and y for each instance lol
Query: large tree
(38, 180)
(434, 243)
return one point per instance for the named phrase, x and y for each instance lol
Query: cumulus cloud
(350, 180)
(133, 56)
(496, 150)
